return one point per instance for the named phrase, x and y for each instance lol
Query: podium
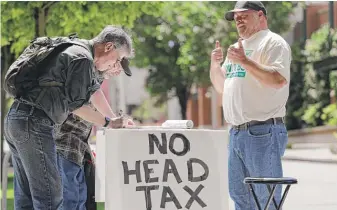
(153, 169)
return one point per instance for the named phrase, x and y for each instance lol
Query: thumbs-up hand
(240, 43)
(237, 55)
(217, 54)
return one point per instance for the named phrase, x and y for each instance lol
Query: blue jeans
(255, 152)
(74, 185)
(37, 181)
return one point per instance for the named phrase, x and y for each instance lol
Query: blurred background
(173, 42)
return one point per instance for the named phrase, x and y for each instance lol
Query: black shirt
(71, 138)
(74, 67)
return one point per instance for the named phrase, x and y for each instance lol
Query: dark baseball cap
(125, 65)
(241, 6)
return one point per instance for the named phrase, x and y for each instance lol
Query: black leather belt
(244, 126)
(21, 106)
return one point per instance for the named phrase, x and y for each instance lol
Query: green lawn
(10, 195)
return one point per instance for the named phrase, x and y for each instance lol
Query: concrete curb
(302, 159)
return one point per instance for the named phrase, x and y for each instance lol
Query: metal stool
(271, 185)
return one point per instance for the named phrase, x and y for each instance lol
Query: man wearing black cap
(30, 122)
(254, 82)
(72, 138)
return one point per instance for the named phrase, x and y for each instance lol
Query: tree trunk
(323, 89)
(40, 21)
(183, 95)
(40, 15)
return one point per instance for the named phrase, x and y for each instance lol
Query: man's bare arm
(266, 75)
(216, 72)
(99, 101)
(89, 114)
(217, 77)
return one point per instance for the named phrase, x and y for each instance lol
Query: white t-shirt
(244, 97)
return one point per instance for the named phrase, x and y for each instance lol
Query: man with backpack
(51, 79)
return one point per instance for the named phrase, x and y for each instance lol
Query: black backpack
(23, 74)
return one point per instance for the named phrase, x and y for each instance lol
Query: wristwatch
(107, 121)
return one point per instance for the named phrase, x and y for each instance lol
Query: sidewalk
(311, 153)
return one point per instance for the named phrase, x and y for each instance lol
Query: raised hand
(237, 55)
(217, 54)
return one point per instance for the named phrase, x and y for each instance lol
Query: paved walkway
(317, 186)
(316, 171)
(311, 153)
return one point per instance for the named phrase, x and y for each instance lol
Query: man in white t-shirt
(254, 81)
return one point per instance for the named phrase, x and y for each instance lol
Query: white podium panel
(153, 169)
(100, 167)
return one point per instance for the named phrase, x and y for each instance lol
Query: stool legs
(274, 201)
(271, 197)
(255, 197)
(284, 196)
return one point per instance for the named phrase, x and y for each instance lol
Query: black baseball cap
(125, 65)
(241, 6)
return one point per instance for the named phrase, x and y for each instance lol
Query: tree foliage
(318, 84)
(63, 18)
(296, 98)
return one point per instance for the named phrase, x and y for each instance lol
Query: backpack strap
(51, 84)
(41, 94)
(79, 44)
(57, 49)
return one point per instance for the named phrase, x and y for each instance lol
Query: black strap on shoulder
(59, 48)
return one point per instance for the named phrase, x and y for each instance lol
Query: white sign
(165, 169)
(100, 167)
